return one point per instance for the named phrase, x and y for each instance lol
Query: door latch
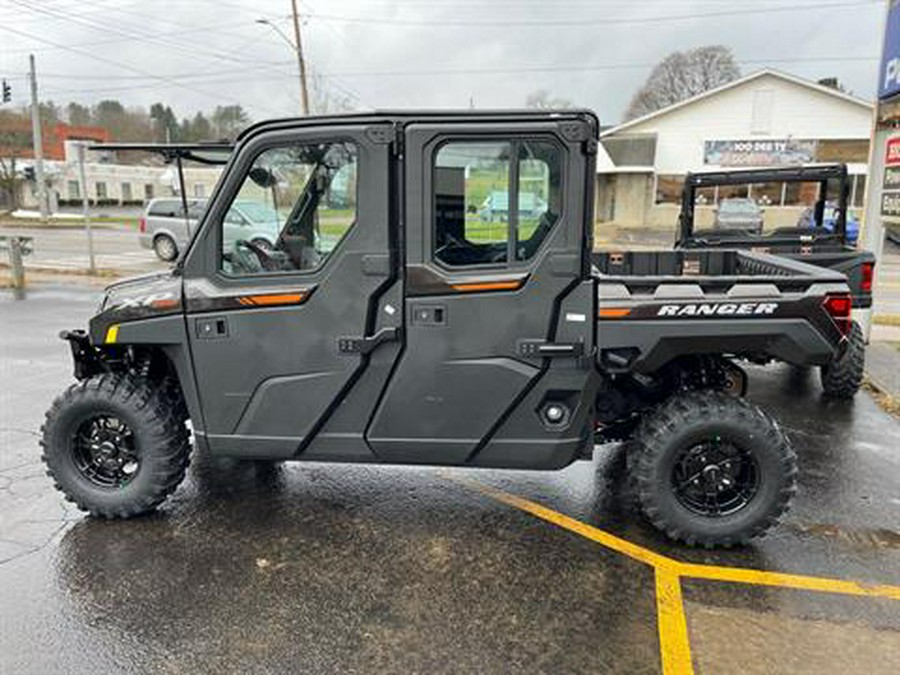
(213, 327)
(366, 345)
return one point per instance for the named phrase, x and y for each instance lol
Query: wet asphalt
(358, 569)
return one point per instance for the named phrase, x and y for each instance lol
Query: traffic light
(7, 92)
(29, 174)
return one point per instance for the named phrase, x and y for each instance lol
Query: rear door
(499, 309)
(292, 343)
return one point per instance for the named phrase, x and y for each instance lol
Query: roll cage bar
(820, 174)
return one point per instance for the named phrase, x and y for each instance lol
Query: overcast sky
(195, 54)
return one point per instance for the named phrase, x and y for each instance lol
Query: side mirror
(263, 177)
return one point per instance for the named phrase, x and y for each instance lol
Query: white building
(110, 183)
(765, 119)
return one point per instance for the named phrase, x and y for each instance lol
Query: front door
(293, 299)
(499, 307)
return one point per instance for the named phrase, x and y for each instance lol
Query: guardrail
(17, 248)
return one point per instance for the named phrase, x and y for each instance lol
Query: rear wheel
(165, 248)
(115, 445)
(712, 470)
(843, 377)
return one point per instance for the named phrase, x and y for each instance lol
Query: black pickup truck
(430, 298)
(821, 239)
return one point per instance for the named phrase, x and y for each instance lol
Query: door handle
(543, 349)
(366, 345)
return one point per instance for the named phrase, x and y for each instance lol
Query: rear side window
(172, 208)
(166, 209)
(495, 201)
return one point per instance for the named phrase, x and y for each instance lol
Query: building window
(766, 194)
(668, 189)
(126, 192)
(73, 189)
(733, 192)
(100, 187)
(489, 209)
(148, 191)
(800, 194)
(199, 190)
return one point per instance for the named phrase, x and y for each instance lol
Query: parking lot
(327, 568)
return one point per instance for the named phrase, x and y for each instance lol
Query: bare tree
(682, 75)
(15, 142)
(543, 99)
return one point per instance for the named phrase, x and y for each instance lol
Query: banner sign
(892, 151)
(890, 184)
(889, 73)
(774, 152)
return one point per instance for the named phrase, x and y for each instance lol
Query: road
(115, 248)
(361, 569)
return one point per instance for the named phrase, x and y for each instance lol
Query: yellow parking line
(606, 539)
(674, 645)
(661, 562)
(800, 582)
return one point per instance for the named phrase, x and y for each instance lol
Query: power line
(230, 77)
(118, 64)
(150, 37)
(585, 21)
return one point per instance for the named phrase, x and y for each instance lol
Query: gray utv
(391, 322)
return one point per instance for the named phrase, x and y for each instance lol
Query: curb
(99, 273)
(38, 225)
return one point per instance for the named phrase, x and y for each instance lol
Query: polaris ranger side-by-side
(391, 322)
(819, 238)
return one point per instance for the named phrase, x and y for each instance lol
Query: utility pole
(304, 95)
(82, 184)
(38, 143)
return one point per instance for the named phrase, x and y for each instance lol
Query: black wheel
(712, 470)
(115, 445)
(165, 247)
(843, 378)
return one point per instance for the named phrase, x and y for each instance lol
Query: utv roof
(806, 173)
(408, 116)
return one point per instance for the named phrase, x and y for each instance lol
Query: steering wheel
(265, 257)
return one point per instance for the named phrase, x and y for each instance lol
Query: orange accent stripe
(273, 299)
(613, 312)
(511, 285)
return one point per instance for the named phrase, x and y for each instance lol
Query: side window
(293, 208)
(495, 201)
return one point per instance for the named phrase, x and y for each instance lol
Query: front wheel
(115, 445)
(165, 248)
(843, 377)
(712, 470)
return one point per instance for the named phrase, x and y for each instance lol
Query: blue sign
(889, 73)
